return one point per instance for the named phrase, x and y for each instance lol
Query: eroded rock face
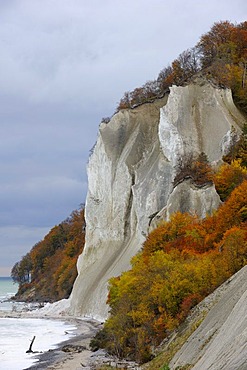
(197, 119)
(220, 341)
(187, 197)
(130, 178)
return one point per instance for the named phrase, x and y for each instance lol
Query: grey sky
(65, 64)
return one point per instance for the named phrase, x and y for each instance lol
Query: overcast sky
(65, 64)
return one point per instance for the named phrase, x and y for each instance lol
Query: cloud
(17, 240)
(76, 51)
(40, 200)
(55, 53)
(65, 65)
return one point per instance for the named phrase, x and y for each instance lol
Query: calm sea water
(16, 333)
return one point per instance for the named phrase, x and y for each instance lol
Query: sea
(16, 334)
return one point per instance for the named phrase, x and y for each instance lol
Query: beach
(53, 329)
(62, 341)
(73, 353)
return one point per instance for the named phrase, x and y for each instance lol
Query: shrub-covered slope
(181, 262)
(48, 271)
(133, 170)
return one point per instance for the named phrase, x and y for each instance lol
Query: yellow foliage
(182, 261)
(228, 177)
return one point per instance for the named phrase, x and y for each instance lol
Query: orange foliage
(53, 260)
(221, 55)
(169, 234)
(232, 212)
(211, 42)
(234, 248)
(228, 177)
(189, 302)
(182, 261)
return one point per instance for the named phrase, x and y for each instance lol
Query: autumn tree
(228, 177)
(185, 66)
(165, 79)
(52, 261)
(21, 271)
(223, 57)
(124, 102)
(196, 168)
(211, 44)
(181, 262)
(220, 56)
(233, 247)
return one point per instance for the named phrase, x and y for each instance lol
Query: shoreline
(77, 356)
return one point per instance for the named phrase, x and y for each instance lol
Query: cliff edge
(130, 180)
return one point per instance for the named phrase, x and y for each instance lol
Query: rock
(73, 348)
(220, 341)
(186, 197)
(130, 177)
(101, 358)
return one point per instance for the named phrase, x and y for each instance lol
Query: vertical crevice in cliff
(127, 218)
(198, 123)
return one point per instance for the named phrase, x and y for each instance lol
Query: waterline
(16, 335)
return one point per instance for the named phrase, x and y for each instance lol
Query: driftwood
(30, 347)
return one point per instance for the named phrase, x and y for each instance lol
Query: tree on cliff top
(220, 55)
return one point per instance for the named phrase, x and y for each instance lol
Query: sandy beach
(74, 353)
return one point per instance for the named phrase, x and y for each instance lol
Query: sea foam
(16, 335)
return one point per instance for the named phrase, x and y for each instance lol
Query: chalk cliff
(220, 341)
(130, 179)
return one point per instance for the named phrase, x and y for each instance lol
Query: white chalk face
(130, 178)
